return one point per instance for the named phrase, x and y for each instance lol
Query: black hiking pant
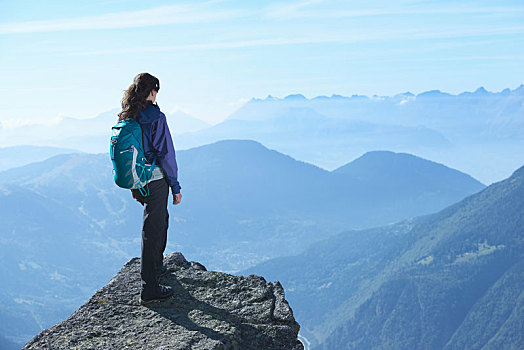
(154, 233)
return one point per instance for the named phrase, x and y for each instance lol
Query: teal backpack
(127, 154)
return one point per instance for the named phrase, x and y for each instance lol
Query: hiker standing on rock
(139, 103)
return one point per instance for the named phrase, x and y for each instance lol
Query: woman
(139, 103)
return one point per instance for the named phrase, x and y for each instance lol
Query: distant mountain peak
(433, 93)
(402, 166)
(232, 145)
(359, 97)
(295, 97)
(481, 90)
(430, 93)
(382, 155)
(519, 90)
(335, 96)
(505, 92)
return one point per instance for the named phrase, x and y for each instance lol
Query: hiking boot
(163, 292)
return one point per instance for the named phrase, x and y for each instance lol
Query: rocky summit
(209, 310)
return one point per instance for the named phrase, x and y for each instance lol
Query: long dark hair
(135, 97)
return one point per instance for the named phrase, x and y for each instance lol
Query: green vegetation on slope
(426, 283)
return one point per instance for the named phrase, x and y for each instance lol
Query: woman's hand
(177, 197)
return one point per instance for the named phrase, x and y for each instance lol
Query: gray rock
(209, 310)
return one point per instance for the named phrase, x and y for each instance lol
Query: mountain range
(464, 131)
(89, 135)
(356, 258)
(234, 186)
(450, 280)
(67, 227)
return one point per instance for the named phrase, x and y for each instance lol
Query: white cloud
(173, 14)
(289, 10)
(207, 12)
(469, 58)
(347, 37)
(302, 10)
(219, 45)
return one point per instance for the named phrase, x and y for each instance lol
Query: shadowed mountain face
(451, 280)
(242, 204)
(404, 173)
(238, 190)
(208, 310)
(6, 344)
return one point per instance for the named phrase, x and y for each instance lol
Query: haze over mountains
(239, 184)
(451, 280)
(467, 131)
(16, 156)
(476, 132)
(247, 202)
(67, 227)
(89, 135)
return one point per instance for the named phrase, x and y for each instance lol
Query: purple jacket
(157, 140)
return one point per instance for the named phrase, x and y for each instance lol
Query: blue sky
(75, 58)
